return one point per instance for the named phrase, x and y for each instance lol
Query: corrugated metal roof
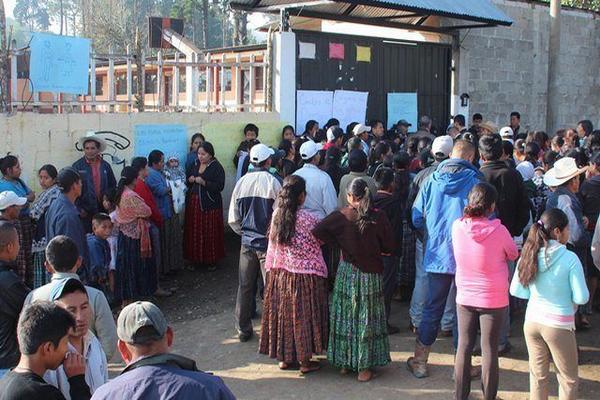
(370, 11)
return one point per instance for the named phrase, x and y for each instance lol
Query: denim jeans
(440, 287)
(419, 296)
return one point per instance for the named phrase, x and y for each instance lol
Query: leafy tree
(32, 14)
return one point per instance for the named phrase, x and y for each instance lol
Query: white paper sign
(307, 50)
(312, 104)
(350, 106)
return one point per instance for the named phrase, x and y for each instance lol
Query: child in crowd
(43, 332)
(108, 202)
(175, 176)
(99, 249)
(250, 137)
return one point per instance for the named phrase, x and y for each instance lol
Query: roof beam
(422, 20)
(470, 26)
(388, 17)
(351, 8)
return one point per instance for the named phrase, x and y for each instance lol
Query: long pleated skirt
(135, 277)
(171, 250)
(295, 316)
(40, 275)
(358, 337)
(204, 241)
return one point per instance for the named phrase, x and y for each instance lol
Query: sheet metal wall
(396, 66)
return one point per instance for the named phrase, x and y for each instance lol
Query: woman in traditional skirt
(171, 251)
(358, 338)
(47, 178)
(203, 233)
(295, 309)
(135, 274)
(11, 181)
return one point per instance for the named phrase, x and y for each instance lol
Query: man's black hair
(515, 114)
(373, 123)
(309, 125)
(8, 234)
(62, 253)
(460, 119)
(357, 161)
(139, 163)
(490, 147)
(100, 218)
(251, 127)
(508, 148)
(72, 286)
(587, 126)
(154, 157)
(67, 177)
(477, 116)
(42, 322)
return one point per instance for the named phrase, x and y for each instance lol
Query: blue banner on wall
(170, 139)
(59, 64)
(402, 106)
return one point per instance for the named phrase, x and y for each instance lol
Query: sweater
(363, 250)
(210, 193)
(558, 287)
(482, 248)
(512, 207)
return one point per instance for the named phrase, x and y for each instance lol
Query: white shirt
(321, 198)
(96, 367)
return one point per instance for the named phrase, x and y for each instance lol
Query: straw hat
(564, 169)
(91, 135)
(488, 125)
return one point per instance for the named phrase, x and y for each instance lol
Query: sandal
(365, 375)
(284, 366)
(311, 367)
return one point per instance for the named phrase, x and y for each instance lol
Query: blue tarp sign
(402, 106)
(170, 139)
(59, 64)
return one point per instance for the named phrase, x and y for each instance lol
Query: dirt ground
(201, 313)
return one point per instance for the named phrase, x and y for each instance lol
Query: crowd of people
(472, 226)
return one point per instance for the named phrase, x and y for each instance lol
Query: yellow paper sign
(363, 53)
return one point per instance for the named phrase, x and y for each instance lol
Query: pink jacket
(482, 249)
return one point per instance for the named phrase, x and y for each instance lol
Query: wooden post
(264, 81)
(129, 81)
(93, 81)
(160, 92)
(252, 86)
(553, 102)
(111, 81)
(222, 102)
(176, 80)
(14, 101)
(239, 88)
(208, 82)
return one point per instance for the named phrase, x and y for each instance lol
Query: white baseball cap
(443, 145)
(260, 152)
(309, 149)
(360, 128)
(9, 198)
(507, 134)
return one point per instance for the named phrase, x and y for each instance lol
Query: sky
(8, 7)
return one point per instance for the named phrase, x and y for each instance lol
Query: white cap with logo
(360, 128)
(309, 149)
(260, 152)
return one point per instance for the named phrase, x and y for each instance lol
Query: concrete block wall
(39, 139)
(506, 68)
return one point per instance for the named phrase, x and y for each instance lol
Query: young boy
(108, 202)
(62, 261)
(250, 135)
(99, 250)
(12, 296)
(43, 341)
(71, 295)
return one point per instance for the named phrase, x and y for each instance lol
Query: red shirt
(95, 165)
(144, 191)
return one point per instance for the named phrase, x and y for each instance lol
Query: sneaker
(244, 337)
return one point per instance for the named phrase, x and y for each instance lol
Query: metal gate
(396, 66)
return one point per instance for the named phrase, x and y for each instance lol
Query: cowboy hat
(91, 135)
(564, 169)
(488, 125)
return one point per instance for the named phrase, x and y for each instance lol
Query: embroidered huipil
(303, 255)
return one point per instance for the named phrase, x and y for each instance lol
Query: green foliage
(593, 5)
(32, 14)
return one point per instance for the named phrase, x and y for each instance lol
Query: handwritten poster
(350, 106)
(170, 139)
(59, 64)
(402, 106)
(363, 54)
(336, 51)
(307, 50)
(312, 104)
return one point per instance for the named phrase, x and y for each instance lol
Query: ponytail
(540, 234)
(128, 176)
(283, 226)
(360, 190)
(481, 199)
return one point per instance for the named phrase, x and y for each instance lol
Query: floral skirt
(295, 313)
(135, 277)
(204, 241)
(358, 337)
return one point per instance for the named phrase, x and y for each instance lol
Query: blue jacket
(439, 203)
(99, 251)
(251, 207)
(88, 201)
(160, 189)
(62, 218)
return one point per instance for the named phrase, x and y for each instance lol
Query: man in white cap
(362, 131)
(96, 174)
(10, 209)
(321, 197)
(250, 213)
(152, 371)
(440, 149)
(507, 134)
(564, 177)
